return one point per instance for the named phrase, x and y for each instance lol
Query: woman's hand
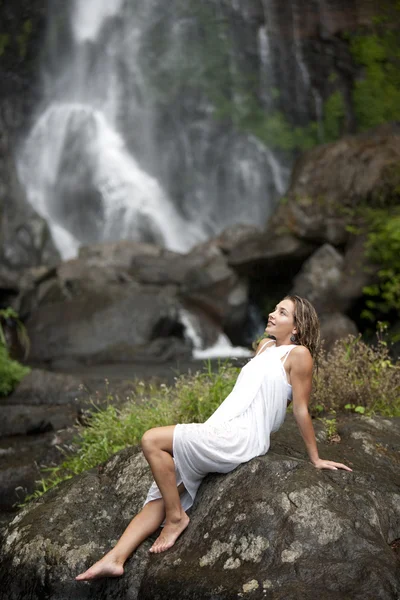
(330, 464)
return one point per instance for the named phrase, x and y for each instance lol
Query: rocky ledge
(274, 528)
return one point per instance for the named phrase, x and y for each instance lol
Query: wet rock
(330, 182)
(335, 326)
(140, 291)
(319, 277)
(275, 527)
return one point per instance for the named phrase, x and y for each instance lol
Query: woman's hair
(307, 324)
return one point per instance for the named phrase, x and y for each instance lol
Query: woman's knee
(148, 441)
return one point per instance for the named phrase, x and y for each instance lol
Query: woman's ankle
(116, 556)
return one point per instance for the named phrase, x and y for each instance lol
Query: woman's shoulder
(299, 350)
(301, 357)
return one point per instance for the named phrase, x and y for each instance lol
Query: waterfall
(222, 348)
(126, 143)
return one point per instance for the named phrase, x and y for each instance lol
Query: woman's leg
(157, 447)
(146, 522)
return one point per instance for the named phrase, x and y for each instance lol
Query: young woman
(180, 456)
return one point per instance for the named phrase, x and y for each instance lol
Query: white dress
(238, 430)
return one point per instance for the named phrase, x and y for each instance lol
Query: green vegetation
(11, 371)
(382, 229)
(210, 64)
(376, 97)
(24, 37)
(330, 427)
(334, 113)
(4, 42)
(357, 377)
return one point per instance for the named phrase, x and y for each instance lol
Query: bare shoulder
(301, 359)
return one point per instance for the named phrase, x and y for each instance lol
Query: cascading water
(121, 150)
(141, 133)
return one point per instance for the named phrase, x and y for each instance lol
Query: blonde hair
(307, 324)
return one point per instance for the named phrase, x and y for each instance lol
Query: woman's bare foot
(170, 534)
(108, 566)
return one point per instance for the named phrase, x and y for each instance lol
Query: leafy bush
(376, 97)
(11, 372)
(383, 249)
(357, 377)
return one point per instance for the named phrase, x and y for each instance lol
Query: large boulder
(319, 277)
(331, 182)
(320, 281)
(127, 300)
(274, 528)
(84, 310)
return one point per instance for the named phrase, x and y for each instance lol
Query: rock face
(128, 300)
(24, 236)
(331, 182)
(274, 528)
(38, 421)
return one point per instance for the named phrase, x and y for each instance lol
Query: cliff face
(24, 237)
(307, 44)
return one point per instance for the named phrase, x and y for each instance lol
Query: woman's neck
(280, 342)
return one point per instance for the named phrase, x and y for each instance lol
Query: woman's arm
(301, 379)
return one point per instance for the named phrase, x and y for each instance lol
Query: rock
(330, 182)
(273, 252)
(214, 287)
(24, 235)
(121, 254)
(319, 277)
(274, 528)
(139, 291)
(98, 311)
(21, 459)
(357, 273)
(320, 281)
(37, 424)
(41, 388)
(335, 326)
(19, 419)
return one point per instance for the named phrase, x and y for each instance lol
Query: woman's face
(281, 321)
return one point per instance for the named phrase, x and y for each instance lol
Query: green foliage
(11, 372)
(23, 38)
(330, 426)
(334, 114)
(275, 131)
(4, 42)
(7, 314)
(376, 96)
(192, 399)
(358, 377)
(383, 248)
